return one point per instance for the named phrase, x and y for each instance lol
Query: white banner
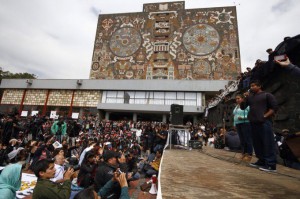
(75, 115)
(53, 114)
(33, 113)
(24, 113)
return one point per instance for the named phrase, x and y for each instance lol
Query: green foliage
(9, 75)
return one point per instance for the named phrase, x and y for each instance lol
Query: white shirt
(83, 154)
(59, 173)
(138, 132)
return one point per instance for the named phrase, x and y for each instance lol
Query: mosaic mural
(167, 42)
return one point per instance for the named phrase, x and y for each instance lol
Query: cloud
(55, 39)
(282, 6)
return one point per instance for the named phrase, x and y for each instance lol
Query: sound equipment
(153, 189)
(176, 114)
(195, 144)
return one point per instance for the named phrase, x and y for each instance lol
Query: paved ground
(215, 173)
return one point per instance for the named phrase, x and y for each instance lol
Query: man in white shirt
(59, 169)
(138, 134)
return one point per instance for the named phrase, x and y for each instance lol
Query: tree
(9, 75)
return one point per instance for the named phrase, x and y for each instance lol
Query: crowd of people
(91, 158)
(103, 156)
(254, 112)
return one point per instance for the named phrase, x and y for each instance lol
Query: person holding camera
(288, 66)
(90, 193)
(46, 189)
(105, 172)
(59, 129)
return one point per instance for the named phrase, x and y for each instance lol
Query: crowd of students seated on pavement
(102, 156)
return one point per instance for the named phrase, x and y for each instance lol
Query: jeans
(244, 131)
(264, 143)
(158, 147)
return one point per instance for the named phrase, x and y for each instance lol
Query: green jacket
(55, 128)
(46, 189)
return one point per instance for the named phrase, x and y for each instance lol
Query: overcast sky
(54, 39)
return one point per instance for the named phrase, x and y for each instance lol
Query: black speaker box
(176, 114)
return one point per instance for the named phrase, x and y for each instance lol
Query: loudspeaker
(176, 114)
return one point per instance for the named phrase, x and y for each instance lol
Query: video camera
(75, 167)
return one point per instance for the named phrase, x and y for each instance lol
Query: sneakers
(268, 168)
(257, 164)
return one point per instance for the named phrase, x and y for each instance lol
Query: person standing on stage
(243, 128)
(262, 105)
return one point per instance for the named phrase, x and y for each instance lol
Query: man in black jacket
(262, 105)
(105, 172)
(73, 130)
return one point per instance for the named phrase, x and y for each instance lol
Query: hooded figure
(14, 153)
(10, 181)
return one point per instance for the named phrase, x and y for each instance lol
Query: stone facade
(167, 42)
(35, 97)
(12, 96)
(60, 98)
(86, 98)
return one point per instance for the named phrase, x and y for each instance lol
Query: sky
(54, 39)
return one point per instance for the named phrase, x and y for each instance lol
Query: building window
(152, 97)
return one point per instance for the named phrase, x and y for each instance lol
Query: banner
(75, 115)
(24, 113)
(53, 114)
(33, 113)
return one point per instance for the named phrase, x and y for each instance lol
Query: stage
(217, 173)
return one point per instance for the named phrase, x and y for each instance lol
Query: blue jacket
(238, 112)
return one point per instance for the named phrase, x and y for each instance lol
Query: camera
(119, 171)
(280, 57)
(75, 167)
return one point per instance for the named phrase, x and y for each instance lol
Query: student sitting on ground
(10, 181)
(46, 189)
(153, 167)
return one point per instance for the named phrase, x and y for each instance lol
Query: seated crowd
(80, 158)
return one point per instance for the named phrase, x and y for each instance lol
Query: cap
(12, 140)
(110, 154)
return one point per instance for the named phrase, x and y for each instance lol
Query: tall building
(142, 64)
(167, 41)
